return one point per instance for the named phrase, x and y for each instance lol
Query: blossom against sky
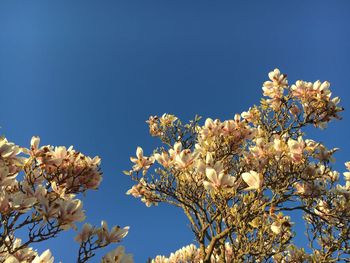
(89, 74)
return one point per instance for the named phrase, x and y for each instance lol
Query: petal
(211, 175)
(139, 152)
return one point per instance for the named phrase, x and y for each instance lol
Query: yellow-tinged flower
(141, 161)
(253, 179)
(163, 159)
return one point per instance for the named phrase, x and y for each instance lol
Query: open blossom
(210, 128)
(296, 149)
(185, 159)
(70, 212)
(158, 125)
(276, 79)
(252, 115)
(114, 235)
(141, 161)
(163, 159)
(8, 149)
(10, 162)
(117, 256)
(167, 119)
(177, 148)
(253, 179)
(218, 179)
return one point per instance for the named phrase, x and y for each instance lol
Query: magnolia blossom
(185, 159)
(276, 79)
(211, 128)
(253, 179)
(141, 161)
(296, 149)
(113, 236)
(70, 211)
(163, 159)
(218, 179)
(8, 149)
(252, 115)
(173, 152)
(167, 119)
(275, 88)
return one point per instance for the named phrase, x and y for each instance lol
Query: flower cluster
(65, 168)
(38, 191)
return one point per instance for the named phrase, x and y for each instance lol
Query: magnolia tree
(237, 180)
(39, 190)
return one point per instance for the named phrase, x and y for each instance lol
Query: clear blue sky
(89, 73)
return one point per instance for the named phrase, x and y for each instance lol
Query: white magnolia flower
(217, 180)
(253, 179)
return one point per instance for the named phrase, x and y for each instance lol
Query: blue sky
(89, 73)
